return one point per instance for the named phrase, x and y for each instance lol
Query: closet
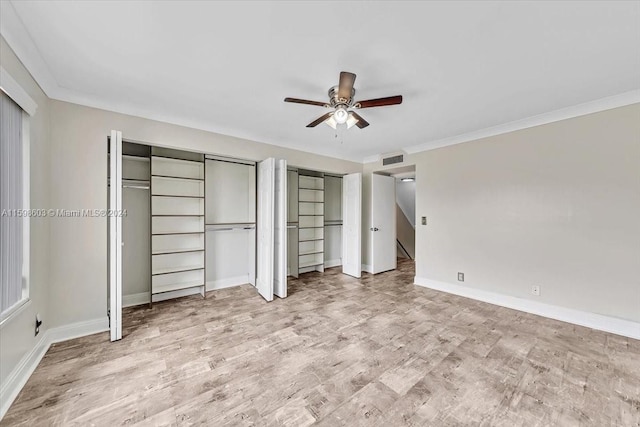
(314, 221)
(230, 217)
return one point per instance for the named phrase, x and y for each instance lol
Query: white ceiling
(226, 66)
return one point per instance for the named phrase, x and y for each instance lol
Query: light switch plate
(424, 220)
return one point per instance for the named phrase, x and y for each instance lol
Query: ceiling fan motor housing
(336, 101)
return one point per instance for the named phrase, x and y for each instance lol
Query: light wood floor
(339, 351)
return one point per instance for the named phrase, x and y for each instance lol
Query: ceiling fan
(343, 105)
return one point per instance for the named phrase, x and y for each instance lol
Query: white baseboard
(21, 373)
(600, 322)
(135, 299)
(333, 263)
(366, 268)
(213, 285)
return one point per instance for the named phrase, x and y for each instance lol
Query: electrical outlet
(38, 324)
(460, 277)
(424, 220)
(535, 290)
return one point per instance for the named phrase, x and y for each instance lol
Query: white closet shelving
(177, 224)
(310, 221)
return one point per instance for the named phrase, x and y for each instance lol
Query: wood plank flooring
(377, 351)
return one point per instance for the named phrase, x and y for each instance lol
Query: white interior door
(280, 230)
(383, 223)
(265, 228)
(115, 235)
(351, 224)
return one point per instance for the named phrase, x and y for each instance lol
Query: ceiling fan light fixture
(341, 115)
(351, 121)
(331, 122)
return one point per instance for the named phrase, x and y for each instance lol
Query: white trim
(77, 330)
(367, 268)
(26, 204)
(14, 310)
(608, 103)
(600, 322)
(16, 380)
(14, 91)
(230, 282)
(21, 373)
(135, 299)
(333, 263)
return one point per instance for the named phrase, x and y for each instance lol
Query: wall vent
(393, 160)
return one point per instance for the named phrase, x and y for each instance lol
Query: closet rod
(329, 225)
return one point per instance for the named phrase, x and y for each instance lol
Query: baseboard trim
(367, 268)
(21, 373)
(135, 299)
(626, 328)
(333, 263)
(213, 285)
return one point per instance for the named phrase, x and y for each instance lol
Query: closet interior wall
(136, 224)
(230, 217)
(332, 221)
(292, 222)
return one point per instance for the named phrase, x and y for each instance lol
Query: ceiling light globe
(341, 115)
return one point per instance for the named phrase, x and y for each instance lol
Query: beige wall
(555, 205)
(17, 333)
(78, 246)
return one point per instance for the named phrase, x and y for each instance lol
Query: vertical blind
(11, 241)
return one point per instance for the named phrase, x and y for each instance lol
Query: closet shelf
(177, 159)
(310, 253)
(180, 196)
(176, 251)
(159, 289)
(309, 228)
(309, 201)
(310, 214)
(311, 240)
(177, 215)
(310, 264)
(177, 177)
(312, 189)
(170, 270)
(177, 233)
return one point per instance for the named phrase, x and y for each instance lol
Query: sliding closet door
(115, 235)
(265, 228)
(352, 219)
(280, 230)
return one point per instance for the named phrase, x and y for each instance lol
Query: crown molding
(17, 36)
(608, 103)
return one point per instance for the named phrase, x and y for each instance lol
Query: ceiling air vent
(393, 160)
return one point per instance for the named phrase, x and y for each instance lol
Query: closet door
(265, 228)
(352, 220)
(280, 230)
(115, 235)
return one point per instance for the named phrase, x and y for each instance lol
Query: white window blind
(11, 204)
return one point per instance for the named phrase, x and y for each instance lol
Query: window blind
(11, 196)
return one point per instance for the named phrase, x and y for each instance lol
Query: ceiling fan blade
(361, 123)
(319, 120)
(379, 102)
(307, 102)
(345, 88)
